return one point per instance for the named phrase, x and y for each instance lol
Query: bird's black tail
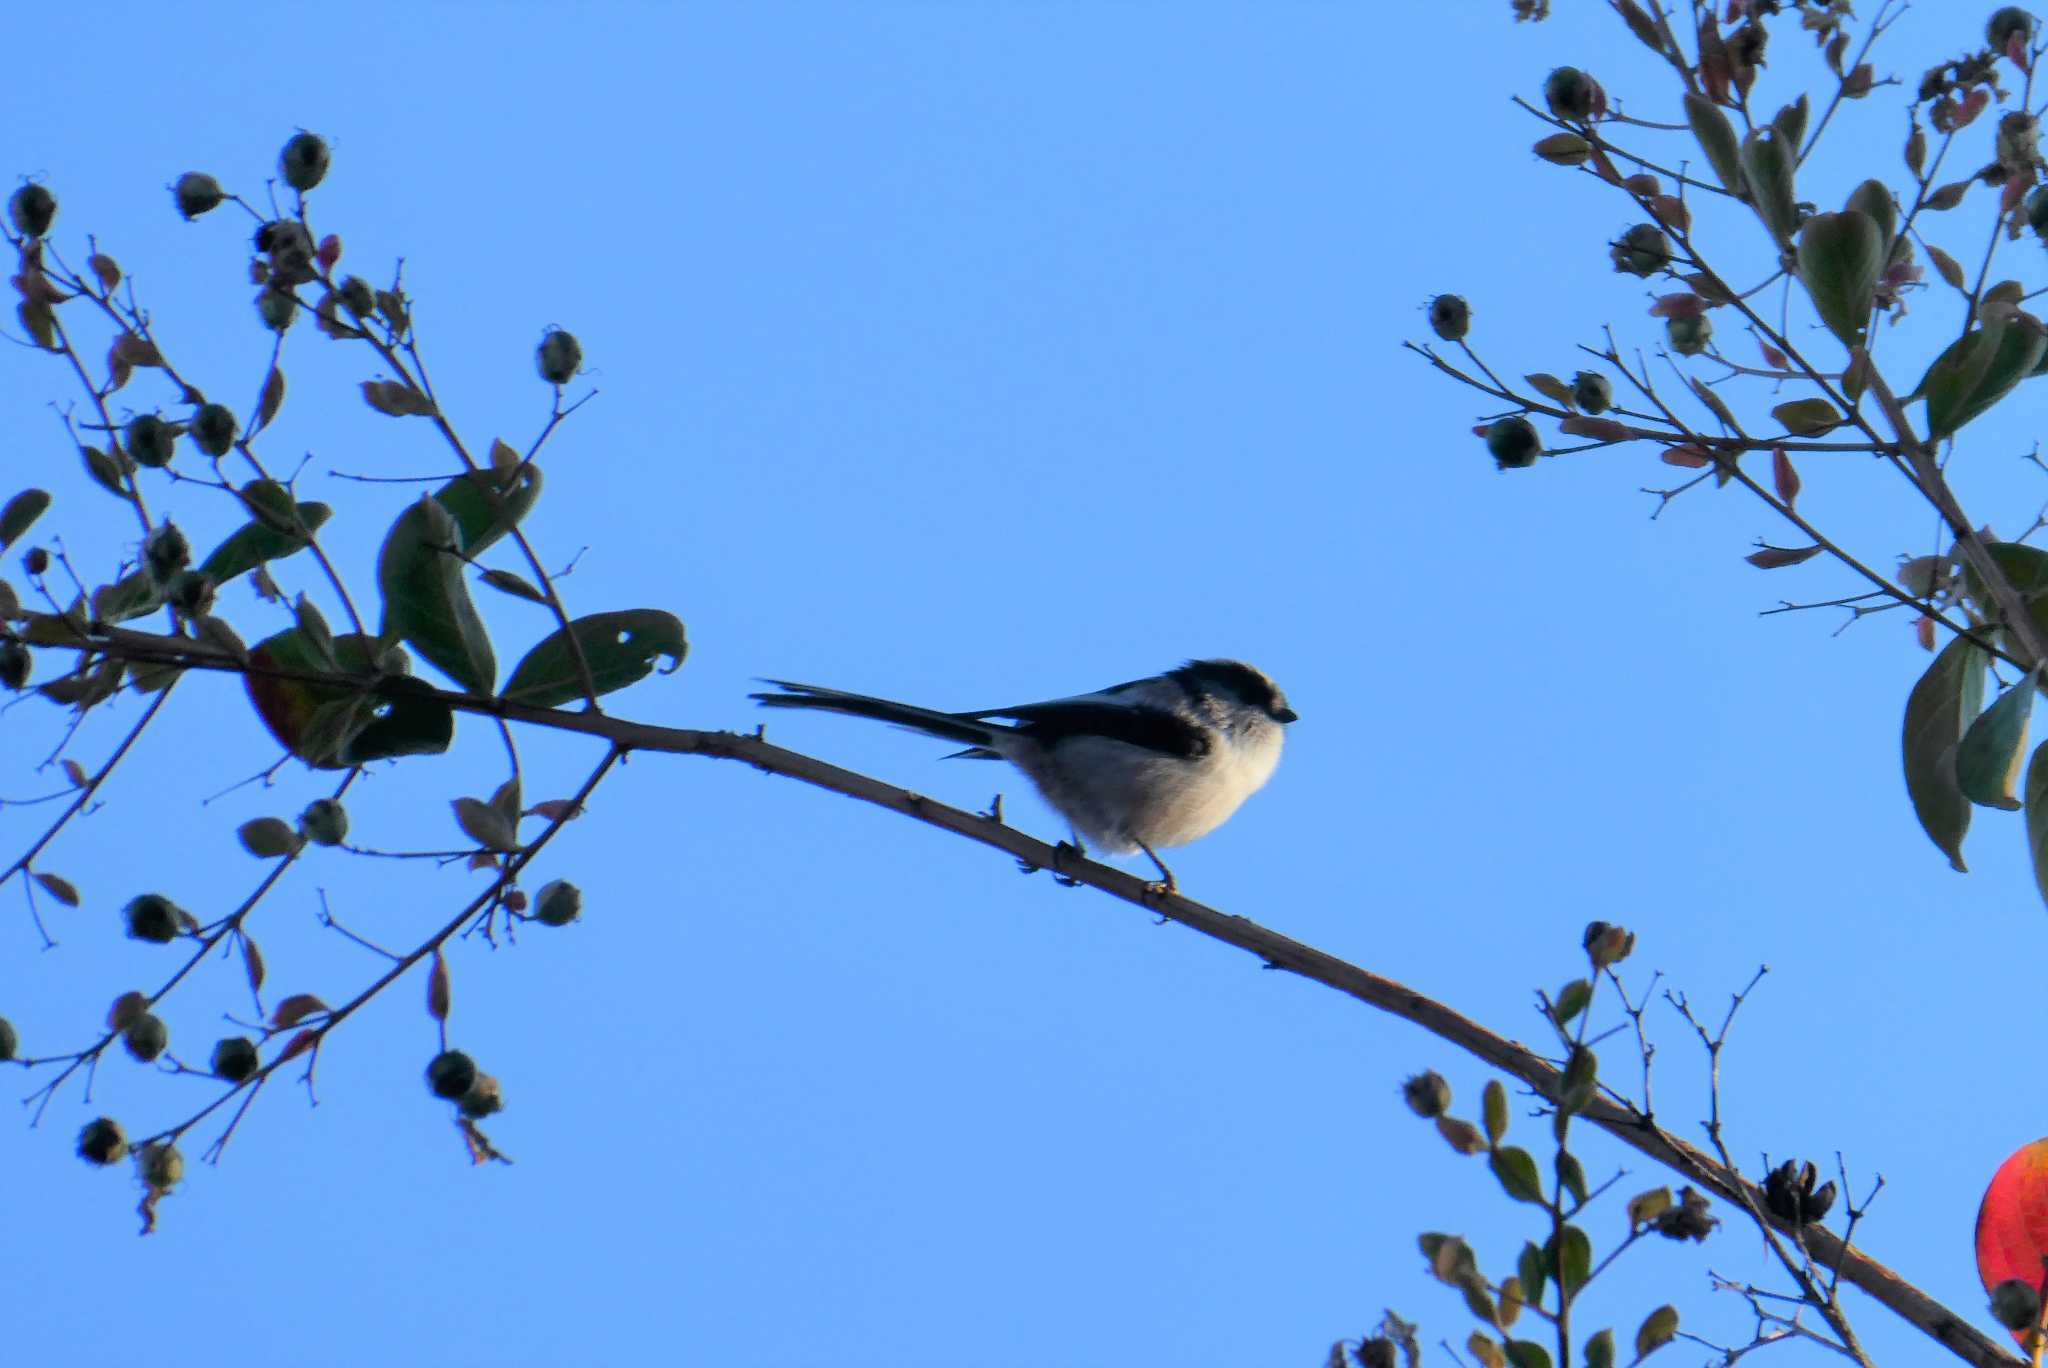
(948, 726)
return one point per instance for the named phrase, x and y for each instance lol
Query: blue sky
(971, 353)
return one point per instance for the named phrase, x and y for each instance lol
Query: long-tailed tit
(1155, 762)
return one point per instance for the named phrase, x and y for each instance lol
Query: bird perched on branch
(1151, 763)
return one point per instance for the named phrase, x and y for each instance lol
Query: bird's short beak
(1285, 715)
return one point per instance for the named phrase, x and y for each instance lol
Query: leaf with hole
(621, 648)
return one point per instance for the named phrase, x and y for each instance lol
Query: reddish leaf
(1773, 358)
(330, 252)
(1777, 557)
(1671, 211)
(437, 989)
(59, 888)
(104, 269)
(1923, 630)
(252, 961)
(1685, 304)
(296, 1009)
(1644, 184)
(1599, 429)
(555, 810)
(2012, 1223)
(1688, 456)
(1784, 476)
(75, 772)
(483, 859)
(298, 1044)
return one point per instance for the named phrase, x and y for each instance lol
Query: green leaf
(410, 721)
(269, 838)
(363, 715)
(132, 596)
(105, 471)
(1527, 1354)
(426, 598)
(1988, 757)
(1791, 121)
(1532, 1271)
(1477, 1299)
(1808, 417)
(1717, 140)
(1516, 1169)
(20, 513)
(621, 648)
(1570, 1257)
(256, 544)
(1659, 1328)
(1600, 1350)
(1572, 1000)
(1874, 198)
(1940, 708)
(1572, 1174)
(1646, 1207)
(1495, 1102)
(1581, 1074)
(1768, 162)
(2037, 816)
(1840, 258)
(468, 502)
(483, 824)
(518, 586)
(1979, 369)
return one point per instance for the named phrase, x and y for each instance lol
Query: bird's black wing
(1147, 728)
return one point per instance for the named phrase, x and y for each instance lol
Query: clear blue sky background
(974, 353)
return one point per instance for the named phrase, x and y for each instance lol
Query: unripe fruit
(303, 162)
(1592, 392)
(1450, 317)
(102, 1141)
(1689, 336)
(32, 209)
(196, 193)
(560, 356)
(152, 917)
(451, 1074)
(234, 1058)
(1642, 251)
(214, 428)
(1513, 442)
(149, 440)
(146, 1036)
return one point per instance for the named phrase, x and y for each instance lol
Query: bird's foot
(1061, 853)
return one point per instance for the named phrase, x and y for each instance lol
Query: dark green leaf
(1516, 1169)
(411, 722)
(1659, 1328)
(621, 648)
(1791, 121)
(131, 596)
(1875, 199)
(1569, 1255)
(505, 582)
(1978, 370)
(1940, 708)
(1572, 1000)
(1717, 140)
(311, 719)
(1572, 1174)
(1478, 1300)
(1581, 1074)
(1600, 1350)
(1840, 258)
(1527, 1354)
(105, 471)
(1768, 163)
(1988, 757)
(1495, 1105)
(2037, 816)
(1808, 417)
(1532, 1270)
(255, 544)
(467, 498)
(20, 513)
(426, 598)
(482, 824)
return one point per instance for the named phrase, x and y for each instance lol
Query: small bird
(1154, 762)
